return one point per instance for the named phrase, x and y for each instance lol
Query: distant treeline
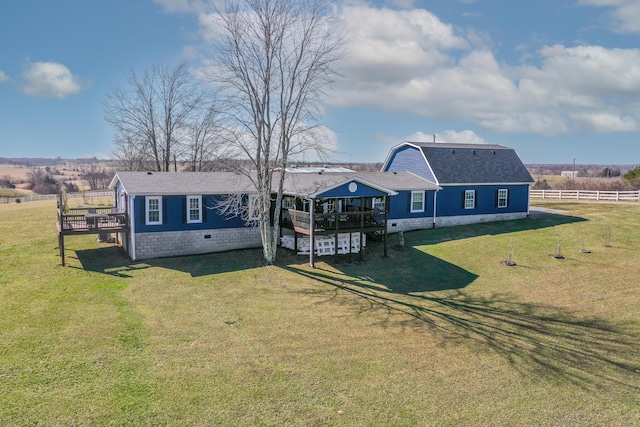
(27, 162)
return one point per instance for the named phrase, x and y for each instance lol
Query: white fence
(36, 197)
(617, 196)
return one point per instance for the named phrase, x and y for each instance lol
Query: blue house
(479, 182)
(174, 214)
(421, 185)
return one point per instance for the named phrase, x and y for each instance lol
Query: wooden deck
(92, 221)
(338, 222)
(101, 221)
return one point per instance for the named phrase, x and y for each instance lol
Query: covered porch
(335, 221)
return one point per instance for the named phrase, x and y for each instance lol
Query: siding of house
(400, 206)
(362, 190)
(174, 216)
(176, 237)
(408, 158)
(402, 219)
(450, 200)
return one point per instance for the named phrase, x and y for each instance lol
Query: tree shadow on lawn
(533, 222)
(113, 260)
(537, 340)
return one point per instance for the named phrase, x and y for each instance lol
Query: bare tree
(98, 178)
(129, 153)
(204, 144)
(151, 114)
(274, 61)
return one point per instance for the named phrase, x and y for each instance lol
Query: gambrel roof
(450, 164)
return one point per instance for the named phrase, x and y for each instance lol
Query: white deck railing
(36, 197)
(617, 196)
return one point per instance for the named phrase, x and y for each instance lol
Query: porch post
(336, 217)
(61, 246)
(312, 231)
(386, 222)
(361, 224)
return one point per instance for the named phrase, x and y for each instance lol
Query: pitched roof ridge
(459, 145)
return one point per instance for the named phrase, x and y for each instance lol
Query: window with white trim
(503, 195)
(288, 202)
(194, 209)
(378, 203)
(469, 199)
(253, 208)
(153, 210)
(417, 201)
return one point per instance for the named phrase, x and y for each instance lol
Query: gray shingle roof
(474, 163)
(192, 183)
(312, 183)
(183, 183)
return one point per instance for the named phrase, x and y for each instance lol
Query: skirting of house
(408, 224)
(176, 243)
(446, 221)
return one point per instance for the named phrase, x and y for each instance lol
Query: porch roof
(313, 185)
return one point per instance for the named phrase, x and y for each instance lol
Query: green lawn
(440, 333)
(8, 192)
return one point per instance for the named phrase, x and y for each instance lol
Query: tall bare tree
(97, 177)
(129, 153)
(274, 60)
(204, 142)
(152, 113)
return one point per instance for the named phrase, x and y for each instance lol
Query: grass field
(8, 192)
(441, 333)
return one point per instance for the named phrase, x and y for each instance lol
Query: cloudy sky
(555, 79)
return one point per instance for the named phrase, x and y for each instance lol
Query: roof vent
(473, 151)
(395, 173)
(149, 173)
(453, 151)
(493, 152)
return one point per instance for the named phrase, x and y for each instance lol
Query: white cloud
(625, 14)
(462, 137)
(410, 61)
(50, 79)
(571, 89)
(3, 77)
(392, 46)
(603, 122)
